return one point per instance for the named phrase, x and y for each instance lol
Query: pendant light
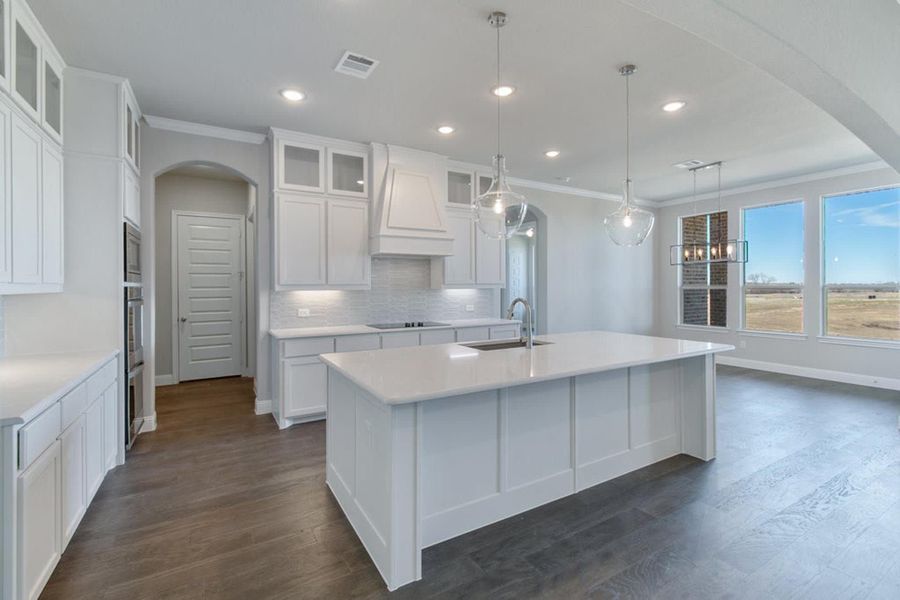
(499, 211)
(628, 225)
(717, 250)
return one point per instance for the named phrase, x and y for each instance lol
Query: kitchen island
(425, 444)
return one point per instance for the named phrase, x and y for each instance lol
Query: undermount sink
(503, 344)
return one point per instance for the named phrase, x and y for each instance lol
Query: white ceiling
(222, 63)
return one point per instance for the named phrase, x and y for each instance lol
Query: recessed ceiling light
(674, 106)
(445, 129)
(551, 153)
(293, 95)
(503, 90)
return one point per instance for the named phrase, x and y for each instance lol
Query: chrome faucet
(529, 339)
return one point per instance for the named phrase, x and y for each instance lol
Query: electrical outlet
(743, 343)
(470, 308)
(302, 312)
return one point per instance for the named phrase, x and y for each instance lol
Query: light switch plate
(302, 312)
(470, 308)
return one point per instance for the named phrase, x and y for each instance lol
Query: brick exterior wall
(703, 306)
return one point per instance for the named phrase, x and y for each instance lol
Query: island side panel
(698, 406)
(371, 470)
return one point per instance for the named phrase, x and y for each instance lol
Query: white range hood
(409, 218)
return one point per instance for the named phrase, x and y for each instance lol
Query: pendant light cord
(627, 129)
(498, 85)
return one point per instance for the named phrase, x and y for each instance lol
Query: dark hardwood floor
(803, 501)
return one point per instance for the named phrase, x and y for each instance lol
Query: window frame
(679, 317)
(742, 283)
(823, 335)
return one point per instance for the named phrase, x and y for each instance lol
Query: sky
(862, 239)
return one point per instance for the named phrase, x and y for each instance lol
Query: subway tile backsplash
(400, 291)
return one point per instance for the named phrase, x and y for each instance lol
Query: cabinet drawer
(352, 343)
(73, 404)
(38, 435)
(438, 336)
(100, 380)
(505, 332)
(403, 339)
(473, 334)
(307, 347)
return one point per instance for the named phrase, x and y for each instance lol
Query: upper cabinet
(53, 94)
(131, 129)
(4, 45)
(321, 228)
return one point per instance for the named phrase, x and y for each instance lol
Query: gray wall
(806, 353)
(163, 150)
(182, 192)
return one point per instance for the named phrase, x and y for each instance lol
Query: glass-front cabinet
(347, 173)
(4, 40)
(53, 96)
(459, 188)
(131, 128)
(301, 166)
(26, 65)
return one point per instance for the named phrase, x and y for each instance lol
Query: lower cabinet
(304, 386)
(473, 334)
(38, 520)
(94, 463)
(110, 426)
(74, 490)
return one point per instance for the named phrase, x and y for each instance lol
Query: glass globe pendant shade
(499, 212)
(628, 225)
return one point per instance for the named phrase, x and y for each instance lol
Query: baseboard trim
(164, 380)
(263, 407)
(148, 423)
(887, 383)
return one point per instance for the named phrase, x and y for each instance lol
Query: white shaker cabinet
(304, 386)
(490, 260)
(299, 240)
(5, 197)
(39, 530)
(26, 202)
(110, 426)
(73, 487)
(132, 197)
(51, 215)
(94, 464)
(347, 257)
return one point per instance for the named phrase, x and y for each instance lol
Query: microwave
(132, 255)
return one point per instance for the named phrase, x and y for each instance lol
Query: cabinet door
(300, 166)
(39, 522)
(304, 386)
(348, 243)
(403, 339)
(52, 215)
(490, 260)
(348, 173)
(53, 96)
(506, 332)
(5, 198)
(460, 267)
(93, 448)
(132, 200)
(473, 334)
(300, 241)
(26, 63)
(438, 336)
(110, 426)
(74, 492)
(26, 202)
(4, 45)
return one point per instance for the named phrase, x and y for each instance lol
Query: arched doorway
(526, 269)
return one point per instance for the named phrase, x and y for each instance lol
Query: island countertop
(404, 375)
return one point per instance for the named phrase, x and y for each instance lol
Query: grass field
(851, 313)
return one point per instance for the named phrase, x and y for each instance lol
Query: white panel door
(460, 267)
(72, 452)
(490, 260)
(38, 522)
(300, 240)
(5, 200)
(348, 243)
(210, 273)
(304, 385)
(52, 215)
(26, 202)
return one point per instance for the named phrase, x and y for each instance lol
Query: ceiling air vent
(689, 164)
(356, 65)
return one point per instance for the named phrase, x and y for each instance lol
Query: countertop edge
(41, 405)
(394, 401)
(277, 333)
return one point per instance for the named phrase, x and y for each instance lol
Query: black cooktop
(408, 325)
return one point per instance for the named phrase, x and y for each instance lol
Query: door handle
(183, 319)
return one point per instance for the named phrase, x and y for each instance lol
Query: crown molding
(234, 135)
(776, 183)
(82, 72)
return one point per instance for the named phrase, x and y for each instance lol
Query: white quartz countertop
(335, 330)
(31, 383)
(403, 375)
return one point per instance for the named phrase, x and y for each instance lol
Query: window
(704, 287)
(861, 264)
(773, 274)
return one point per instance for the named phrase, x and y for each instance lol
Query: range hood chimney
(409, 218)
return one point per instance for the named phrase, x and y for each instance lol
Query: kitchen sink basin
(503, 344)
